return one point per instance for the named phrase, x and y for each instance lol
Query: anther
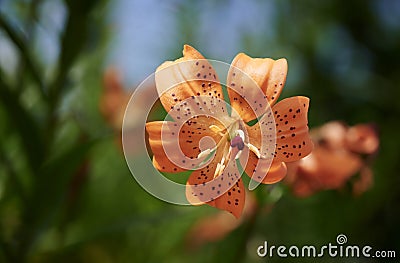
(205, 153)
(254, 150)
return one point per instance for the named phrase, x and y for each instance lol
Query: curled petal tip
(191, 53)
(283, 62)
(187, 47)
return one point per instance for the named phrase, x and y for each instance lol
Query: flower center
(237, 142)
(234, 137)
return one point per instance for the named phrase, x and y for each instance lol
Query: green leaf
(52, 186)
(24, 124)
(21, 44)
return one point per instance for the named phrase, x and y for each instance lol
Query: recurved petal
(332, 135)
(195, 192)
(160, 159)
(324, 169)
(266, 172)
(232, 201)
(276, 80)
(188, 79)
(335, 167)
(362, 138)
(225, 192)
(176, 147)
(293, 140)
(253, 83)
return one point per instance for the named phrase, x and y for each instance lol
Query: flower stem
(248, 230)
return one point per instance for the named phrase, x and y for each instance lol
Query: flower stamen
(215, 128)
(205, 152)
(241, 134)
(254, 150)
(238, 143)
(220, 168)
(238, 155)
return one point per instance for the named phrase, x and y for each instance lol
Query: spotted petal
(266, 172)
(253, 83)
(160, 160)
(225, 192)
(201, 177)
(176, 147)
(189, 86)
(293, 140)
(233, 200)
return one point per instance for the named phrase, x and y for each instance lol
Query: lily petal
(324, 169)
(233, 200)
(225, 192)
(266, 172)
(190, 80)
(176, 148)
(160, 160)
(293, 140)
(275, 174)
(253, 83)
(362, 138)
(202, 176)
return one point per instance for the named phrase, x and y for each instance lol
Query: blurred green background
(66, 194)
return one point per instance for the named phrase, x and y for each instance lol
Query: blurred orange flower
(113, 99)
(338, 155)
(216, 226)
(196, 87)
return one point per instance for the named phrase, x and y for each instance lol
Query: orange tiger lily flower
(340, 153)
(195, 93)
